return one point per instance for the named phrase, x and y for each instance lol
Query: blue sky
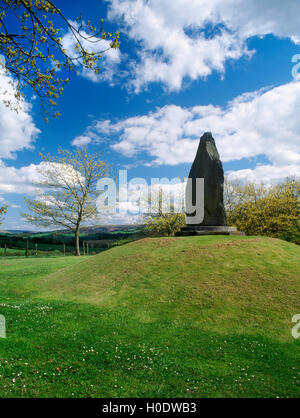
(184, 67)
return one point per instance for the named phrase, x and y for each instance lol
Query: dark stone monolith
(207, 165)
(210, 204)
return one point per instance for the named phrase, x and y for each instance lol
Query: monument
(207, 166)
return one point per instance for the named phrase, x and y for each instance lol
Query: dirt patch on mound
(156, 242)
(192, 250)
(237, 243)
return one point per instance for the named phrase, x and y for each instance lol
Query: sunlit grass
(184, 317)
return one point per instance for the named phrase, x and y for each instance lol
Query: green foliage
(3, 211)
(13, 252)
(167, 317)
(270, 211)
(67, 191)
(31, 44)
(164, 222)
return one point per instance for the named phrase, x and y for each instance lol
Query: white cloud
(174, 40)
(17, 129)
(18, 180)
(92, 133)
(265, 122)
(81, 140)
(267, 174)
(6, 202)
(22, 180)
(17, 132)
(109, 61)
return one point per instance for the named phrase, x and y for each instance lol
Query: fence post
(27, 250)
(83, 246)
(36, 250)
(64, 249)
(87, 248)
(5, 250)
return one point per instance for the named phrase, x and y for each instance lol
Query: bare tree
(67, 191)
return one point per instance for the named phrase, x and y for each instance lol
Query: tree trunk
(77, 247)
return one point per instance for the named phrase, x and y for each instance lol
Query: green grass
(15, 252)
(172, 317)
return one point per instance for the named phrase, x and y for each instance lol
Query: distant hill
(54, 240)
(86, 229)
(15, 231)
(110, 228)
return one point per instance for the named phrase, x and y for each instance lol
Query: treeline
(272, 211)
(68, 238)
(54, 241)
(19, 242)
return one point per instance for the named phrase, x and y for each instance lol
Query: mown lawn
(184, 317)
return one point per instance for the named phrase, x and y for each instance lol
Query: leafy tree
(273, 211)
(33, 52)
(237, 193)
(3, 211)
(163, 223)
(67, 191)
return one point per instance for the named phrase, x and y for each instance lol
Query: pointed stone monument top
(208, 166)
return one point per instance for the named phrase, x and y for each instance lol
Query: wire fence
(33, 249)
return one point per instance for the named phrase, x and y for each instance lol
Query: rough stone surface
(208, 165)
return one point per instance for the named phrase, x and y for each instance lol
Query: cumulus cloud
(181, 39)
(17, 129)
(267, 174)
(17, 132)
(19, 180)
(109, 61)
(95, 133)
(22, 180)
(263, 122)
(81, 140)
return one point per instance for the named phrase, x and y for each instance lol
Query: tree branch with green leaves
(67, 191)
(33, 52)
(166, 221)
(3, 211)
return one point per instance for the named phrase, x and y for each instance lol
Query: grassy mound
(194, 316)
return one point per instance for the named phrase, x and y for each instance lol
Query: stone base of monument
(190, 230)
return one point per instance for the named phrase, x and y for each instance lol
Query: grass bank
(173, 317)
